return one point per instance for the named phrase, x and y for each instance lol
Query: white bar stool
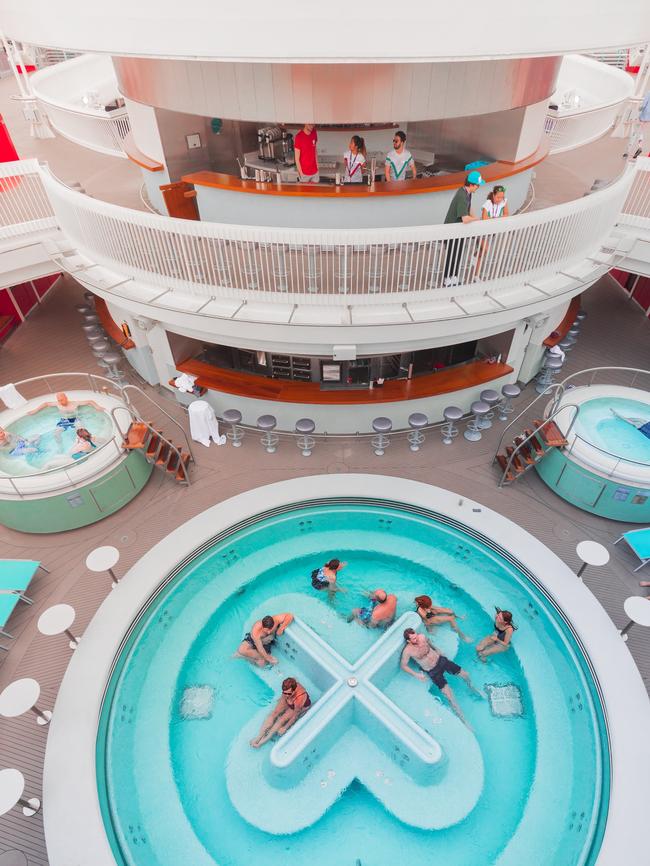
(637, 607)
(490, 397)
(57, 620)
(104, 559)
(19, 697)
(479, 410)
(382, 427)
(547, 374)
(591, 553)
(305, 441)
(268, 423)
(12, 787)
(449, 430)
(505, 407)
(417, 420)
(114, 372)
(232, 417)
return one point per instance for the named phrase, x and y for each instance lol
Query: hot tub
(43, 487)
(605, 468)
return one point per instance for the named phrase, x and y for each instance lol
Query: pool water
(178, 782)
(597, 424)
(51, 449)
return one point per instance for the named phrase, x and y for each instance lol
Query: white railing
(567, 130)
(617, 57)
(636, 208)
(25, 208)
(209, 260)
(90, 128)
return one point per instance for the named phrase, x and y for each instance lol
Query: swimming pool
(179, 783)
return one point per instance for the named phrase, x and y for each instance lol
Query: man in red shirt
(306, 157)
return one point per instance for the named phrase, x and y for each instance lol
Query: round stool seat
(305, 426)
(417, 420)
(511, 391)
(101, 346)
(83, 308)
(92, 318)
(480, 407)
(89, 328)
(490, 396)
(113, 357)
(581, 316)
(89, 296)
(93, 338)
(452, 413)
(573, 333)
(232, 416)
(382, 425)
(553, 363)
(267, 422)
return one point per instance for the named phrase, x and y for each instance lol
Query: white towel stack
(10, 397)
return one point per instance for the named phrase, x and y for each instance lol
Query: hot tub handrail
(90, 377)
(130, 387)
(545, 393)
(594, 371)
(617, 457)
(536, 430)
(134, 415)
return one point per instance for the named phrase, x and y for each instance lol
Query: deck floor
(615, 333)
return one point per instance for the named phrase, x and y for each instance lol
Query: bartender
(399, 160)
(304, 145)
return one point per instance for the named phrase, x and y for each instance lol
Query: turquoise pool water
(45, 449)
(597, 424)
(179, 784)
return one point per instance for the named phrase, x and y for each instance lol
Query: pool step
(550, 433)
(528, 448)
(159, 450)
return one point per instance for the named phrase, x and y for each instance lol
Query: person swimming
(431, 616)
(499, 640)
(83, 444)
(325, 576)
(640, 424)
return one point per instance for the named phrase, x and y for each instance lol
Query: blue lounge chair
(15, 577)
(639, 541)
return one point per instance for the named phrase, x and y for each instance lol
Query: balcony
(75, 96)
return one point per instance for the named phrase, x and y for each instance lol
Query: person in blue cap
(460, 211)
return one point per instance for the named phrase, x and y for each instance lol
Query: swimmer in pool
(257, 643)
(6, 439)
(643, 426)
(17, 446)
(379, 613)
(83, 444)
(293, 703)
(431, 616)
(499, 640)
(325, 577)
(67, 410)
(434, 665)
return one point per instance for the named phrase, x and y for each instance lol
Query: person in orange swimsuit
(293, 703)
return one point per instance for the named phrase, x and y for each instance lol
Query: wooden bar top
(261, 388)
(491, 173)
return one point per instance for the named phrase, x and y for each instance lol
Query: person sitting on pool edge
(68, 410)
(325, 577)
(431, 616)
(258, 641)
(380, 613)
(434, 665)
(293, 703)
(499, 640)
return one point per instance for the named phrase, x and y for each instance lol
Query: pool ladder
(157, 448)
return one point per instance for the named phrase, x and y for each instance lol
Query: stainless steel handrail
(545, 393)
(600, 450)
(164, 439)
(129, 387)
(594, 370)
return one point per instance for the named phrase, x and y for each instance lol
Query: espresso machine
(275, 144)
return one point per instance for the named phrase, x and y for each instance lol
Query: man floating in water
(641, 425)
(379, 613)
(434, 665)
(258, 641)
(293, 703)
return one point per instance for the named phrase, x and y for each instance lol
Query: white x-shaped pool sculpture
(354, 731)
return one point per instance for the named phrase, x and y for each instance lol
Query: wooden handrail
(560, 332)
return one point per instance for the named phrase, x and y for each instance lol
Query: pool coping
(73, 822)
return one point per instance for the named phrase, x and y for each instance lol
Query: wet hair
(507, 617)
(333, 564)
(359, 143)
(268, 621)
(289, 684)
(82, 433)
(378, 592)
(423, 601)
(401, 134)
(408, 632)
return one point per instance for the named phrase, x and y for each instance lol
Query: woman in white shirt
(496, 205)
(355, 160)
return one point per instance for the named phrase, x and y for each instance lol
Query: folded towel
(10, 397)
(185, 383)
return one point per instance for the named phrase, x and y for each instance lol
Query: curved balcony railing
(636, 209)
(25, 208)
(61, 90)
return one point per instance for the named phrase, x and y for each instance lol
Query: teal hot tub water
(372, 774)
(607, 471)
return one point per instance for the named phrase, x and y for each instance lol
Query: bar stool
(89, 297)
(479, 410)
(100, 347)
(57, 620)
(89, 327)
(82, 309)
(232, 417)
(306, 442)
(382, 427)
(417, 420)
(95, 337)
(268, 423)
(580, 317)
(490, 397)
(547, 374)
(12, 788)
(19, 697)
(114, 372)
(449, 431)
(505, 407)
(566, 345)
(91, 318)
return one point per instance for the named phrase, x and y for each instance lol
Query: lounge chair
(639, 541)
(15, 577)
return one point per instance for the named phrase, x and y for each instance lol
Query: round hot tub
(62, 468)
(605, 466)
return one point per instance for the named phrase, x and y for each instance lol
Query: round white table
(57, 620)
(591, 553)
(12, 785)
(103, 559)
(13, 858)
(637, 607)
(20, 696)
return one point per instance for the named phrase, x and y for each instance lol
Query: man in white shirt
(399, 160)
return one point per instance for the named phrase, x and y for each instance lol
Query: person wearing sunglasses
(399, 160)
(293, 703)
(495, 206)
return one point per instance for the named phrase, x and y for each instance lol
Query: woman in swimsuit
(258, 641)
(643, 426)
(431, 616)
(325, 577)
(499, 640)
(83, 444)
(293, 703)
